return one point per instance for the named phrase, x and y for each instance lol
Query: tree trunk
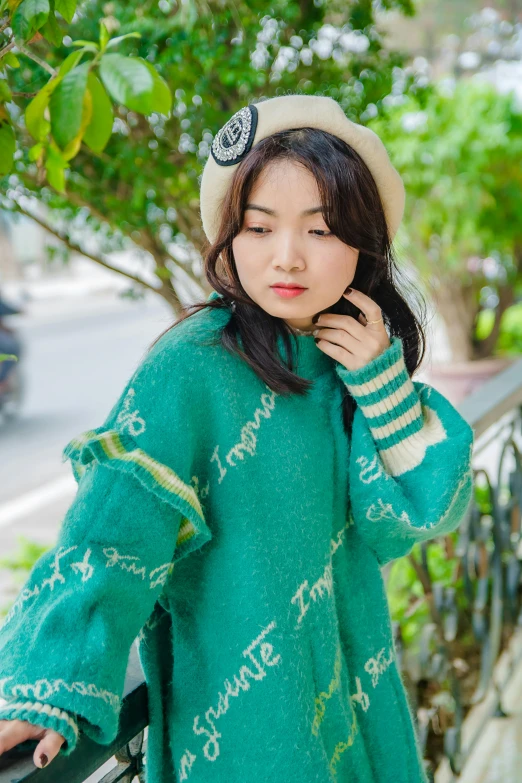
(458, 307)
(486, 347)
(456, 304)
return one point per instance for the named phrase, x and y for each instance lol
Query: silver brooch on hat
(234, 139)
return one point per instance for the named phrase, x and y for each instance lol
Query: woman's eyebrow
(311, 211)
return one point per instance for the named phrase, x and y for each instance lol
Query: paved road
(79, 356)
(75, 367)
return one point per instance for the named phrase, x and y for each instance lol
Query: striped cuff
(386, 395)
(45, 715)
(391, 404)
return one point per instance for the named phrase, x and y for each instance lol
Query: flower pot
(455, 380)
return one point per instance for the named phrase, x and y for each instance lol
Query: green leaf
(162, 97)
(104, 34)
(70, 62)
(7, 147)
(66, 105)
(5, 92)
(98, 131)
(135, 83)
(28, 18)
(35, 151)
(73, 147)
(66, 8)
(51, 31)
(35, 122)
(11, 60)
(119, 38)
(128, 81)
(90, 45)
(55, 166)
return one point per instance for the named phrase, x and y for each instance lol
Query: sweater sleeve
(65, 643)
(410, 465)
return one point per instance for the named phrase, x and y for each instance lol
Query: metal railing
(485, 600)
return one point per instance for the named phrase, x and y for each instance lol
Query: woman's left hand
(353, 342)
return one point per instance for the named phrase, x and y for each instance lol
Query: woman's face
(280, 242)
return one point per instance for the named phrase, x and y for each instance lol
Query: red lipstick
(288, 290)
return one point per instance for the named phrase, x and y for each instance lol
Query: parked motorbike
(11, 372)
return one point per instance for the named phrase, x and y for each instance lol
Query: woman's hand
(13, 732)
(353, 342)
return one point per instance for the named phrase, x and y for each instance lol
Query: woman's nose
(288, 251)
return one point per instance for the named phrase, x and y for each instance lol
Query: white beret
(258, 120)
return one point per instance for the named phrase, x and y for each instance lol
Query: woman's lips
(287, 293)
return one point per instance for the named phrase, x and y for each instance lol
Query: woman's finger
(12, 732)
(368, 306)
(48, 748)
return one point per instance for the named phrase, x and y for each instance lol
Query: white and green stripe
(112, 447)
(401, 426)
(41, 714)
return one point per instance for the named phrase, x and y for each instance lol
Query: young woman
(270, 453)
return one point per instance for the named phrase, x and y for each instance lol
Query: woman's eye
(259, 231)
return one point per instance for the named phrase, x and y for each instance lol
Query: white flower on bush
(354, 41)
(414, 120)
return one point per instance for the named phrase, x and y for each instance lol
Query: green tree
(458, 149)
(142, 190)
(74, 106)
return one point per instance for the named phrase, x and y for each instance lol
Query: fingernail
(314, 319)
(43, 759)
(348, 290)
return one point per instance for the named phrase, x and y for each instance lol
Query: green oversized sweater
(237, 536)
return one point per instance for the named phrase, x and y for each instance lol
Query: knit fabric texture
(236, 535)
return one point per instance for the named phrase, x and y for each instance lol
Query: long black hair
(353, 211)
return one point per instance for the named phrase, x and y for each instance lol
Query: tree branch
(7, 48)
(76, 248)
(37, 60)
(79, 201)
(148, 241)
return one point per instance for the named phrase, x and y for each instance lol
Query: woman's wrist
(45, 715)
(385, 393)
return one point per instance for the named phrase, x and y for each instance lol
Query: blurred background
(100, 246)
